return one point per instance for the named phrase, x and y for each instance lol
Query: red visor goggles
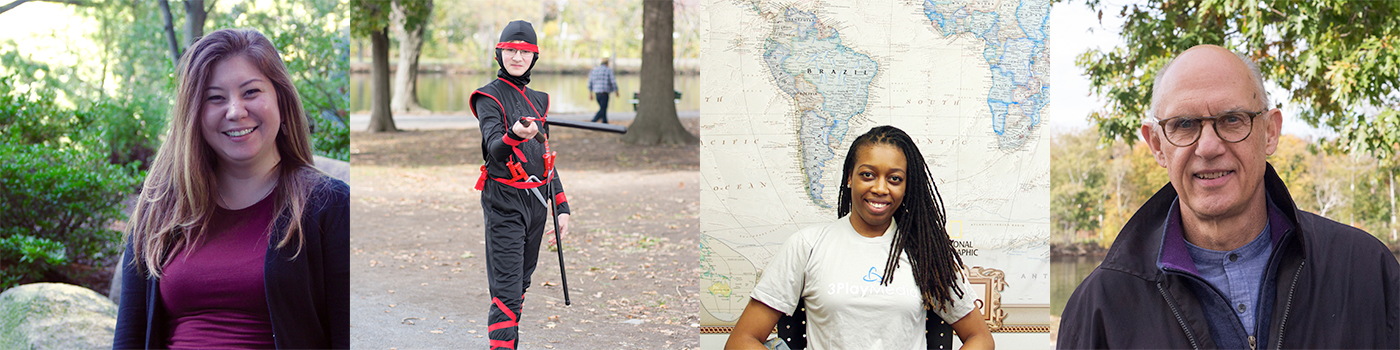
(519, 46)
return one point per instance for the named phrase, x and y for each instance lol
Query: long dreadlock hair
(922, 230)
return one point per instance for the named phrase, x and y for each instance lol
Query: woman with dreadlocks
(869, 278)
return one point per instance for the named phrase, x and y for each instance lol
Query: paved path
(465, 120)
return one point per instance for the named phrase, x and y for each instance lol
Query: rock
(115, 293)
(338, 169)
(56, 316)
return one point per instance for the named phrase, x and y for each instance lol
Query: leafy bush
(25, 259)
(130, 130)
(33, 117)
(65, 196)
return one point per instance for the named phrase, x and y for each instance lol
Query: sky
(33, 25)
(1074, 29)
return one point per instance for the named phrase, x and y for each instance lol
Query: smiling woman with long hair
(236, 240)
(870, 278)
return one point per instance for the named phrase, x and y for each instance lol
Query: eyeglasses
(507, 53)
(1232, 127)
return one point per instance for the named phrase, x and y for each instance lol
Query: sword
(554, 214)
(559, 244)
(589, 126)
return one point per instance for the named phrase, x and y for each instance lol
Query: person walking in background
(601, 81)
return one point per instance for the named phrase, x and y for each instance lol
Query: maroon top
(214, 295)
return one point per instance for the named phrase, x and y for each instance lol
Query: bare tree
(371, 18)
(410, 19)
(195, 13)
(170, 33)
(656, 121)
(381, 119)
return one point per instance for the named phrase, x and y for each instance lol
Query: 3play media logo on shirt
(872, 278)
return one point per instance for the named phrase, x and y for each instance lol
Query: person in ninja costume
(517, 180)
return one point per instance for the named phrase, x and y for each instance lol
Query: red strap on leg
(502, 306)
(501, 325)
(506, 344)
(503, 344)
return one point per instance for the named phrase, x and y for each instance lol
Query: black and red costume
(516, 180)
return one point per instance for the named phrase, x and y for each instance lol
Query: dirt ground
(417, 256)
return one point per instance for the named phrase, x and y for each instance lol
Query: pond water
(567, 93)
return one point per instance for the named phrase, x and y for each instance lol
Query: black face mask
(523, 31)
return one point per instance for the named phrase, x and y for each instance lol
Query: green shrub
(129, 130)
(25, 259)
(62, 195)
(33, 117)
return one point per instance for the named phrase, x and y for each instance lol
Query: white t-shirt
(838, 271)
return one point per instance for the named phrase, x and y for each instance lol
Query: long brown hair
(177, 198)
(922, 223)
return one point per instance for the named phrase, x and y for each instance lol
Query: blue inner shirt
(1236, 273)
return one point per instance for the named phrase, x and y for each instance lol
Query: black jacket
(308, 297)
(497, 106)
(1332, 286)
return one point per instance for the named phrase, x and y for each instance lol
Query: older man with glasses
(1221, 257)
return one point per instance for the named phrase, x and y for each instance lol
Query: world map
(789, 84)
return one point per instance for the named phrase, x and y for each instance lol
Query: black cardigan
(308, 297)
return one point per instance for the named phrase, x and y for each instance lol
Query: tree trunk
(380, 118)
(170, 33)
(194, 21)
(410, 47)
(656, 121)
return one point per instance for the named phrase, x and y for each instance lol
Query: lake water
(1065, 273)
(567, 93)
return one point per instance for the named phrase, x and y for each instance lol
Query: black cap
(519, 30)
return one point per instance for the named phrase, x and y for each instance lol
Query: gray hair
(1248, 62)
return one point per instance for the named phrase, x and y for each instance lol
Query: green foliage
(66, 196)
(61, 174)
(316, 55)
(34, 117)
(573, 34)
(1077, 178)
(25, 259)
(130, 129)
(369, 16)
(1338, 60)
